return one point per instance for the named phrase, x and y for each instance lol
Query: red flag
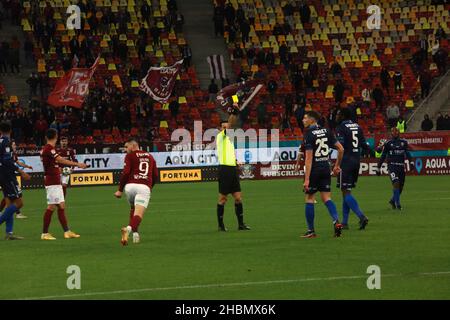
(159, 81)
(244, 91)
(71, 89)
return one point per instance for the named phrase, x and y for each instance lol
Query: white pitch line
(223, 285)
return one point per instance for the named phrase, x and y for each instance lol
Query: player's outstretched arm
(71, 163)
(23, 165)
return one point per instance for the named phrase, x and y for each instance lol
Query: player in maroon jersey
(55, 195)
(138, 178)
(69, 154)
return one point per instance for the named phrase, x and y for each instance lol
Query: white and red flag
(159, 81)
(73, 87)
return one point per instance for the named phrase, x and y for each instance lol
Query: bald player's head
(131, 145)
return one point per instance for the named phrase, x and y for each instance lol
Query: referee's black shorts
(229, 179)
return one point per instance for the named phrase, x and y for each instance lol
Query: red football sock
(2, 204)
(135, 222)
(47, 220)
(62, 219)
(64, 191)
(131, 215)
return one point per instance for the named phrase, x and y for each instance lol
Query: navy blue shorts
(319, 180)
(348, 177)
(397, 173)
(10, 186)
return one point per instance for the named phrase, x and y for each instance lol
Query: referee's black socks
(239, 212)
(220, 210)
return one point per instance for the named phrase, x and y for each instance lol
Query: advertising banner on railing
(426, 140)
(175, 159)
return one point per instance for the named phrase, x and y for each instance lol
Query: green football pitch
(183, 256)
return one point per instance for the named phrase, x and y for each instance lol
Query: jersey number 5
(323, 149)
(355, 140)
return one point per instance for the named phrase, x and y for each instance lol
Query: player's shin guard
(8, 213)
(353, 204)
(63, 220)
(47, 220)
(345, 212)
(239, 210)
(135, 222)
(309, 213)
(220, 211)
(332, 210)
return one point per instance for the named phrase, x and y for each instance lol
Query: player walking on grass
(350, 135)
(228, 177)
(138, 178)
(55, 195)
(19, 215)
(318, 143)
(8, 182)
(69, 154)
(395, 152)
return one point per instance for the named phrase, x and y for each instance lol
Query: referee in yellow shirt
(228, 177)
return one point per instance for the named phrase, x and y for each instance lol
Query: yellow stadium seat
(13, 99)
(182, 100)
(112, 66)
(134, 84)
(52, 74)
(163, 124)
(409, 103)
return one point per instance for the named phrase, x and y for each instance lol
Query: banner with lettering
(426, 140)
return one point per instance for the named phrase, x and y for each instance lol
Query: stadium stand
(323, 50)
(130, 37)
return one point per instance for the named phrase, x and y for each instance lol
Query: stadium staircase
(16, 84)
(437, 101)
(199, 32)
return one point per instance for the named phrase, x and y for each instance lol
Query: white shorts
(138, 194)
(55, 194)
(65, 179)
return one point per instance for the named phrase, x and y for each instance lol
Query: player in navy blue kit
(395, 152)
(318, 144)
(8, 181)
(350, 135)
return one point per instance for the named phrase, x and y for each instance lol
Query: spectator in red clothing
(40, 128)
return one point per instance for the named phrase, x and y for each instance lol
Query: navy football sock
(332, 210)
(397, 197)
(8, 213)
(353, 204)
(10, 224)
(345, 212)
(309, 213)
